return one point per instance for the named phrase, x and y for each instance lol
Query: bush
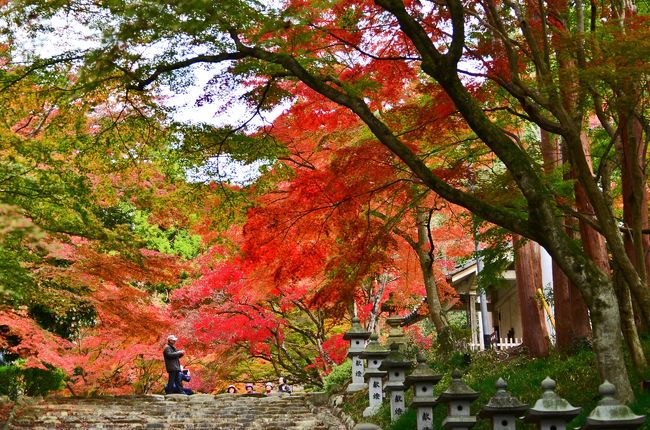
(339, 377)
(9, 374)
(29, 381)
(407, 421)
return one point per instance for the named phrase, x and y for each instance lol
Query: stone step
(198, 412)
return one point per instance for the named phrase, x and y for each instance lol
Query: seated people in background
(186, 377)
(268, 388)
(231, 389)
(283, 387)
(250, 388)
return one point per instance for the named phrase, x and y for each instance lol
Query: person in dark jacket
(173, 365)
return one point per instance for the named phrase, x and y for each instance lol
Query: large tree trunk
(562, 310)
(635, 198)
(571, 313)
(581, 329)
(592, 241)
(529, 280)
(608, 348)
(630, 332)
(424, 250)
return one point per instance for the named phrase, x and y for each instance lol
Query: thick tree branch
(141, 84)
(513, 221)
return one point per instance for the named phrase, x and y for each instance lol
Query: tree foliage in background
(483, 76)
(77, 181)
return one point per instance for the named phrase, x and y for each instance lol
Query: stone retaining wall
(197, 412)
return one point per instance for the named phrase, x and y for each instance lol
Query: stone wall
(155, 412)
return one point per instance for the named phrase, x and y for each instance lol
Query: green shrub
(11, 376)
(339, 377)
(29, 381)
(407, 421)
(39, 382)
(354, 405)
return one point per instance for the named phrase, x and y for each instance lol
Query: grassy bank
(575, 374)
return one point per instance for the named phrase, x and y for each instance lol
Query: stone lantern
(395, 333)
(503, 408)
(551, 412)
(423, 380)
(357, 337)
(458, 398)
(374, 354)
(610, 413)
(395, 366)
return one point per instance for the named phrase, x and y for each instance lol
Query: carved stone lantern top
(610, 413)
(422, 373)
(356, 331)
(503, 403)
(374, 349)
(551, 406)
(395, 360)
(458, 390)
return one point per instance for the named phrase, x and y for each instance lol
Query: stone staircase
(156, 412)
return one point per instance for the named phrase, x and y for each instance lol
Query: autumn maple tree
(84, 199)
(551, 91)
(316, 243)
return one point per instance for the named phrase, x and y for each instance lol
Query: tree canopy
(531, 116)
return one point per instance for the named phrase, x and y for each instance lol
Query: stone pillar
(374, 354)
(357, 337)
(551, 412)
(422, 379)
(458, 398)
(610, 413)
(395, 366)
(503, 408)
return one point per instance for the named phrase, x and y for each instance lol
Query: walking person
(173, 366)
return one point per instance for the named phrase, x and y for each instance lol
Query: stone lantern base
(371, 410)
(356, 386)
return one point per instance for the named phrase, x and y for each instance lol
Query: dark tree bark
(630, 332)
(529, 279)
(571, 313)
(635, 199)
(424, 249)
